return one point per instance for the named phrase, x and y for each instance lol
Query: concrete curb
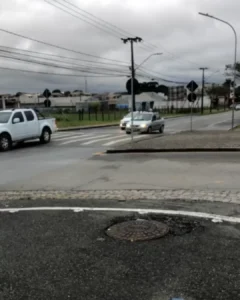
(128, 195)
(141, 150)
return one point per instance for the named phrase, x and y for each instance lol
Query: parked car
(236, 106)
(126, 119)
(19, 125)
(146, 122)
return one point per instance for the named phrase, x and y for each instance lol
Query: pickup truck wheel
(46, 136)
(5, 142)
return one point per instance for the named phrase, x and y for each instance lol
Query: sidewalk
(185, 141)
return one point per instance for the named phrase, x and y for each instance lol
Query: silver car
(126, 119)
(146, 122)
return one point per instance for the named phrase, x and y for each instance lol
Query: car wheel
(5, 142)
(161, 129)
(149, 130)
(46, 136)
(122, 128)
(128, 132)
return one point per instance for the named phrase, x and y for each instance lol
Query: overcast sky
(173, 27)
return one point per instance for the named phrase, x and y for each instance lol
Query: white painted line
(123, 140)
(214, 124)
(67, 137)
(59, 134)
(213, 217)
(90, 136)
(102, 139)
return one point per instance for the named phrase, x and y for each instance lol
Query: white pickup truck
(19, 125)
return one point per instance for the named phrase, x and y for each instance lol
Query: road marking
(123, 140)
(61, 134)
(67, 137)
(213, 217)
(102, 139)
(90, 136)
(99, 153)
(214, 124)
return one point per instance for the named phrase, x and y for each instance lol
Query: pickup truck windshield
(4, 117)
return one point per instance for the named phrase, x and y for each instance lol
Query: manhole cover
(138, 230)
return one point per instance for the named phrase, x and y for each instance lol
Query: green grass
(237, 128)
(214, 111)
(72, 119)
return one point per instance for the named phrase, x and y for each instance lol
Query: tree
(57, 91)
(19, 94)
(67, 93)
(94, 105)
(218, 90)
(163, 89)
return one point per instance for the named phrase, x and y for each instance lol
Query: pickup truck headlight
(128, 125)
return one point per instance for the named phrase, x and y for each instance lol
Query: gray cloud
(186, 39)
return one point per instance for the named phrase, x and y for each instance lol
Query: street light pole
(235, 58)
(139, 66)
(203, 83)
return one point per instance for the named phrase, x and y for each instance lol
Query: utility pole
(203, 83)
(132, 40)
(86, 86)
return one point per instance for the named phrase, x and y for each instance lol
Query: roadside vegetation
(69, 118)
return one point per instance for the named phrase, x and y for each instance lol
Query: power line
(156, 75)
(61, 56)
(113, 28)
(108, 32)
(58, 47)
(58, 74)
(53, 65)
(57, 60)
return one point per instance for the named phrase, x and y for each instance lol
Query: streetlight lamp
(154, 54)
(235, 58)
(132, 89)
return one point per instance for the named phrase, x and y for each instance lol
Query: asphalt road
(72, 165)
(103, 138)
(67, 255)
(50, 170)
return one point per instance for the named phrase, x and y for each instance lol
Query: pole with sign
(192, 86)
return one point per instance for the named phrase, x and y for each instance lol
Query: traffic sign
(192, 86)
(192, 97)
(46, 93)
(47, 103)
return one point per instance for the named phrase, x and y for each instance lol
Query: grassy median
(73, 119)
(65, 120)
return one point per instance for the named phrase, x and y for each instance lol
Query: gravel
(126, 195)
